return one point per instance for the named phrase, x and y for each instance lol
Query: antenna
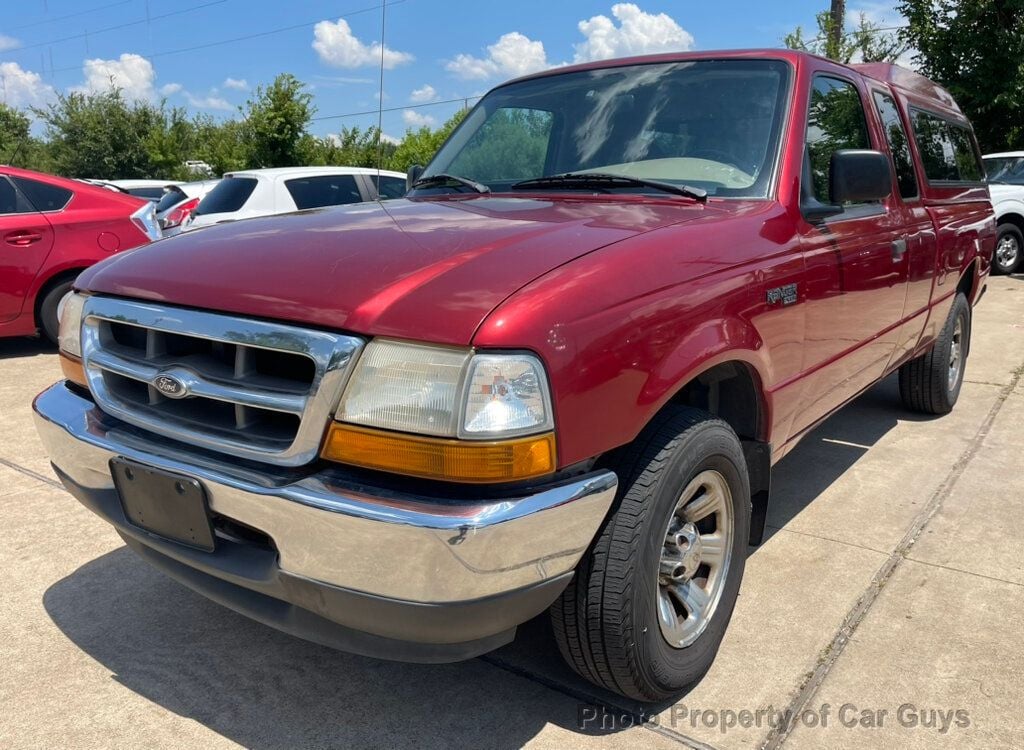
(380, 97)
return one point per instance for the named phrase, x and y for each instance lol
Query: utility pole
(837, 17)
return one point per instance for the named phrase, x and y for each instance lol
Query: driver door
(25, 240)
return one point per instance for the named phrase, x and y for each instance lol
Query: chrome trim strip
(332, 530)
(332, 354)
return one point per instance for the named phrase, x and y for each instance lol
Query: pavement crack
(29, 473)
(828, 656)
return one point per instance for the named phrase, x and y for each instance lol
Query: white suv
(1006, 183)
(262, 192)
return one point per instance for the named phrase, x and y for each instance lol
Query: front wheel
(1009, 249)
(653, 596)
(931, 383)
(49, 309)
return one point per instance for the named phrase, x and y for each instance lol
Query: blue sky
(434, 50)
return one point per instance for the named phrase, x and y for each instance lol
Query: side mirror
(859, 175)
(414, 173)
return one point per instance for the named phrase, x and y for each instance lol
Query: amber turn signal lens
(438, 458)
(73, 370)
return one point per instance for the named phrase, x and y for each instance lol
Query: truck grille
(254, 389)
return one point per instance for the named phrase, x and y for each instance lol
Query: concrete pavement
(886, 604)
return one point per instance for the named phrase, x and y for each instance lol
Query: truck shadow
(264, 689)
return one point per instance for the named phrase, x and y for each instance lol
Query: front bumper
(373, 571)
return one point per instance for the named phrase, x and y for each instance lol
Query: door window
(390, 187)
(947, 149)
(835, 121)
(11, 201)
(898, 145)
(324, 190)
(43, 196)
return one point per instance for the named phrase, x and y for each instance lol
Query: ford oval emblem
(170, 386)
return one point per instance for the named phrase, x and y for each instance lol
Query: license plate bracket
(172, 506)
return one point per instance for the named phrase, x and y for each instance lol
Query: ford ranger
(554, 377)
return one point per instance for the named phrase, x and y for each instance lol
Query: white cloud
(22, 88)
(210, 101)
(514, 54)
(338, 46)
(170, 89)
(638, 33)
(131, 73)
(238, 84)
(423, 94)
(414, 119)
(8, 43)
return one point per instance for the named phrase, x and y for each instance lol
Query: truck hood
(418, 269)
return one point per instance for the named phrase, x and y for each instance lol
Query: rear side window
(43, 196)
(11, 201)
(229, 195)
(947, 150)
(390, 187)
(324, 190)
(835, 121)
(898, 145)
(170, 199)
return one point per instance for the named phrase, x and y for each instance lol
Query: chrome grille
(254, 389)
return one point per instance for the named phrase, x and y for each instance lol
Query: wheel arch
(49, 282)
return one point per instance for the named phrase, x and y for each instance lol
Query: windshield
(711, 124)
(1006, 169)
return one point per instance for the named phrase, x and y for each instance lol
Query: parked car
(178, 203)
(198, 168)
(261, 192)
(151, 190)
(52, 229)
(555, 376)
(1006, 183)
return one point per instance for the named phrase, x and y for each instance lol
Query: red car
(52, 229)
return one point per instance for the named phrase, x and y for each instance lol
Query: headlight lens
(506, 395)
(432, 390)
(69, 336)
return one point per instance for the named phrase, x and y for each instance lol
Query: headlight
(69, 313)
(433, 390)
(445, 413)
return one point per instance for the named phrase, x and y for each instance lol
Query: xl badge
(170, 386)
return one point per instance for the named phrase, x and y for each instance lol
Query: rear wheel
(1009, 249)
(652, 598)
(48, 309)
(931, 383)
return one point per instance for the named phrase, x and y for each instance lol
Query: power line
(462, 99)
(77, 14)
(86, 34)
(245, 37)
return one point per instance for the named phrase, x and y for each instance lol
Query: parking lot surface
(885, 609)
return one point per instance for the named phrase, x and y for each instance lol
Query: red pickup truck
(554, 377)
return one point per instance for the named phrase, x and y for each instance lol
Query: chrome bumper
(330, 530)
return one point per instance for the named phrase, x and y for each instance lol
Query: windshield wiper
(444, 177)
(606, 180)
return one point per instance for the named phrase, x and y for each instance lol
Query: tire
(1009, 249)
(48, 321)
(607, 621)
(928, 384)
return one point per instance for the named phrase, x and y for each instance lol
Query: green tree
(100, 135)
(351, 147)
(276, 120)
(14, 132)
(419, 146)
(866, 42)
(974, 48)
(225, 146)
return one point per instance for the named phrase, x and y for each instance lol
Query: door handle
(22, 238)
(899, 248)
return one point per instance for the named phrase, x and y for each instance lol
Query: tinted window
(898, 145)
(229, 195)
(835, 121)
(947, 151)
(324, 190)
(43, 196)
(712, 124)
(149, 193)
(11, 201)
(390, 187)
(171, 198)
(1005, 169)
